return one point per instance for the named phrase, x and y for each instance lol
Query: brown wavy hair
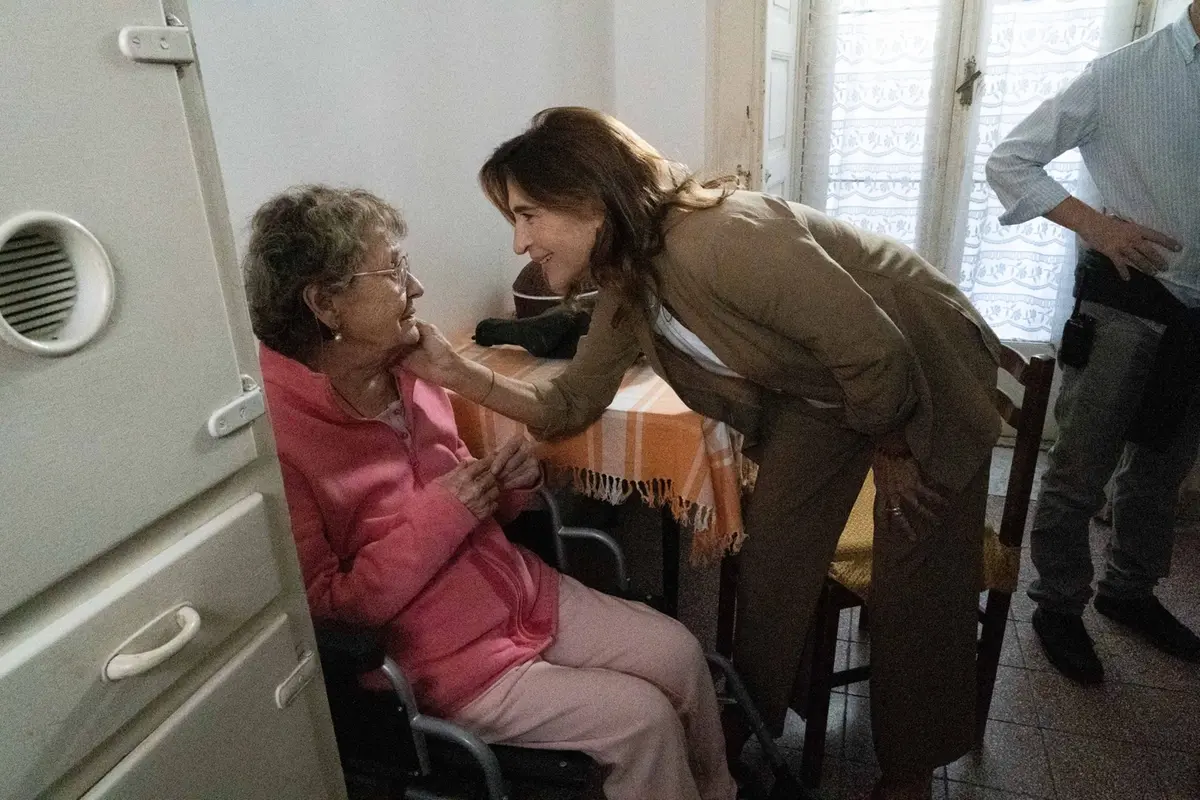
(575, 159)
(308, 234)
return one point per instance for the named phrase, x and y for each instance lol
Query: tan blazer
(803, 306)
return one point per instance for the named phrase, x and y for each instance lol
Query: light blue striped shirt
(1134, 114)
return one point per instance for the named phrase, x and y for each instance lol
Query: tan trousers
(923, 600)
(626, 685)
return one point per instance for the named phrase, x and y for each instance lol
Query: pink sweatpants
(626, 685)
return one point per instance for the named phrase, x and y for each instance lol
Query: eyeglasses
(398, 271)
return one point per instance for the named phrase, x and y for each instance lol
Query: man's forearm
(1075, 215)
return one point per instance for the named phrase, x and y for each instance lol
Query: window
(900, 103)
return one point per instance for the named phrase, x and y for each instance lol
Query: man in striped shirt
(1134, 114)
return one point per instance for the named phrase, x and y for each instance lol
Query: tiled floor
(1135, 736)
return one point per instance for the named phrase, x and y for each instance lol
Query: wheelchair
(390, 749)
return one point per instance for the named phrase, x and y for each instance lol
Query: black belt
(1097, 280)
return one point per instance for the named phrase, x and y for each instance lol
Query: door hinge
(239, 413)
(157, 44)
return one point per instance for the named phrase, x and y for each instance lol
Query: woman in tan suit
(833, 350)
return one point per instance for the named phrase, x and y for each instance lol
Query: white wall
(405, 98)
(1167, 11)
(661, 73)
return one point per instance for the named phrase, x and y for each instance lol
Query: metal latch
(240, 413)
(157, 44)
(966, 89)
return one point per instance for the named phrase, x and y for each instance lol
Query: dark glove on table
(551, 334)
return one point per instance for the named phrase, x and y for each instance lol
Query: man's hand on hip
(1129, 245)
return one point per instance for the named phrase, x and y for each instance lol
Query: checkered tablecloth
(647, 442)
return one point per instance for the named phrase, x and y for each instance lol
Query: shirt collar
(312, 387)
(1185, 34)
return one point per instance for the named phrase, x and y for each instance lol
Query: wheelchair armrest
(423, 726)
(347, 650)
(556, 524)
(469, 743)
(564, 532)
(607, 541)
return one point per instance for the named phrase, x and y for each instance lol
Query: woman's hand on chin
(433, 359)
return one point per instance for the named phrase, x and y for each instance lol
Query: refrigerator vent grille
(38, 286)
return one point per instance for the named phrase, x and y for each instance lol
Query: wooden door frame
(736, 86)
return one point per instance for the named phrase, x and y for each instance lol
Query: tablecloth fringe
(708, 545)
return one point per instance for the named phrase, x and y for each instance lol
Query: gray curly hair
(305, 235)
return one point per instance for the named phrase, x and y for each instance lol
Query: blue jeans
(1094, 408)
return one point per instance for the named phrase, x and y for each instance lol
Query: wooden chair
(818, 679)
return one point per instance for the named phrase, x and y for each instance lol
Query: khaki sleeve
(774, 272)
(577, 397)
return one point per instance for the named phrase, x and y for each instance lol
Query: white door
(124, 331)
(779, 104)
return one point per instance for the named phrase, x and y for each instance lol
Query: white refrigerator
(154, 636)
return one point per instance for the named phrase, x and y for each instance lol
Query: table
(647, 442)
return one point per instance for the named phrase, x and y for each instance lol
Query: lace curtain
(879, 76)
(870, 73)
(1017, 275)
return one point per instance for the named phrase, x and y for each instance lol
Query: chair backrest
(1027, 416)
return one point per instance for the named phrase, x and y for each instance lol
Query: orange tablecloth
(647, 442)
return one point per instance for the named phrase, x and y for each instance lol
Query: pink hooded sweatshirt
(382, 545)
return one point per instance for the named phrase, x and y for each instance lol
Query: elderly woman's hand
(515, 465)
(899, 483)
(473, 483)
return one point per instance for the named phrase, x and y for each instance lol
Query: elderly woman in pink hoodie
(396, 524)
